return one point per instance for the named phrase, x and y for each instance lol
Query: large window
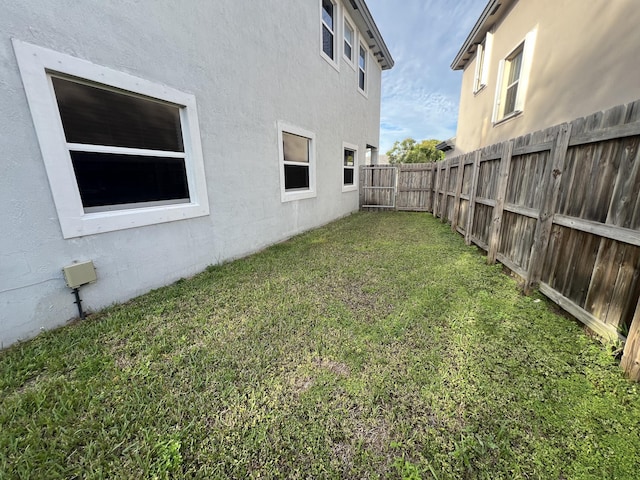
(483, 57)
(297, 162)
(328, 24)
(362, 69)
(119, 151)
(349, 167)
(513, 77)
(127, 151)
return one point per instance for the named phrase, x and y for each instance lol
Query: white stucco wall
(585, 59)
(249, 65)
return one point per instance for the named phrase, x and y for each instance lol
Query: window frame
(483, 60)
(346, 21)
(355, 168)
(288, 195)
(37, 65)
(526, 47)
(364, 91)
(334, 31)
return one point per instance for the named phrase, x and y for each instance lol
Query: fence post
(361, 186)
(631, 358)
(445, 197)
(456, 205)
(496, 223)
(472, 196)
(435, 190)
(544, 224)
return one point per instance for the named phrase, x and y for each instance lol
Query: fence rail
(559, 207)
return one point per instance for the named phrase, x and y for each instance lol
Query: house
(157, 139)
(528, 65)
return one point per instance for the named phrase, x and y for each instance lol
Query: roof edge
(447, 145)
(383, 55)
(484, 23)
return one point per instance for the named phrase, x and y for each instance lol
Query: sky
(420, 93)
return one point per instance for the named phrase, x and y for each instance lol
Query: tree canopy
(410, 151)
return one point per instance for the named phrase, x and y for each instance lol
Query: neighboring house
(528, 65)
(382, 159)
(157, 138)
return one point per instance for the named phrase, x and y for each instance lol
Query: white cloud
(420, 94)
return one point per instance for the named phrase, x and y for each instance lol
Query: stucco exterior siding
(248, 65)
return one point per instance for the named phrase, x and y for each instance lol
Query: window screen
(95, 118)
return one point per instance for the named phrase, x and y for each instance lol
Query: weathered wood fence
(559, 207)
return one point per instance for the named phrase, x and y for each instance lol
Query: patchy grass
(379, 346)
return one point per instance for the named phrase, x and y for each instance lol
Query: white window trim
(367, 63)
(356, 163)
(334, 62)
(35, 63)
(298, 194)
(481, 75)
(528, 45)
(355, 41)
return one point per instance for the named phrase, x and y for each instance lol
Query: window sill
(349, 62)
(349, 188)
(482, 88)
(292, 195)
(506, 118)
(110, 221)
(330, 61)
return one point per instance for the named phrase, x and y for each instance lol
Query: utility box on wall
(79, 274)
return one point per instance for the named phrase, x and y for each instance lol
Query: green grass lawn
(379, 346)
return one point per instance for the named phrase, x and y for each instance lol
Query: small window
(513, 76)
(513, 69)
(328, 30)
(297, 149)
(483, 57)
(362, 70)
(349, 167)
(349, 41)
(120, 151)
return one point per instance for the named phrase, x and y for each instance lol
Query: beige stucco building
(531, 64)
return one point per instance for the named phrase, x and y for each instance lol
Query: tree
(410, 151)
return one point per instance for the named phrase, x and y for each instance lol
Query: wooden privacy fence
(559, 207)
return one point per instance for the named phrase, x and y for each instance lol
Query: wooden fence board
(546, 199)
(626, 192)
(482, 223)
(625, 235)
(415, 187)
(625, 290)
(473, 192)
(516, 239)
(501, 190)
(560, 207)
(631, 358)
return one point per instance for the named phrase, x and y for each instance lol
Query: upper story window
(297, 162)
(483, 57)
(513, 79)
(512, 71)
(328, 24)
(349, 41)
(362, 69)
(120, 151)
